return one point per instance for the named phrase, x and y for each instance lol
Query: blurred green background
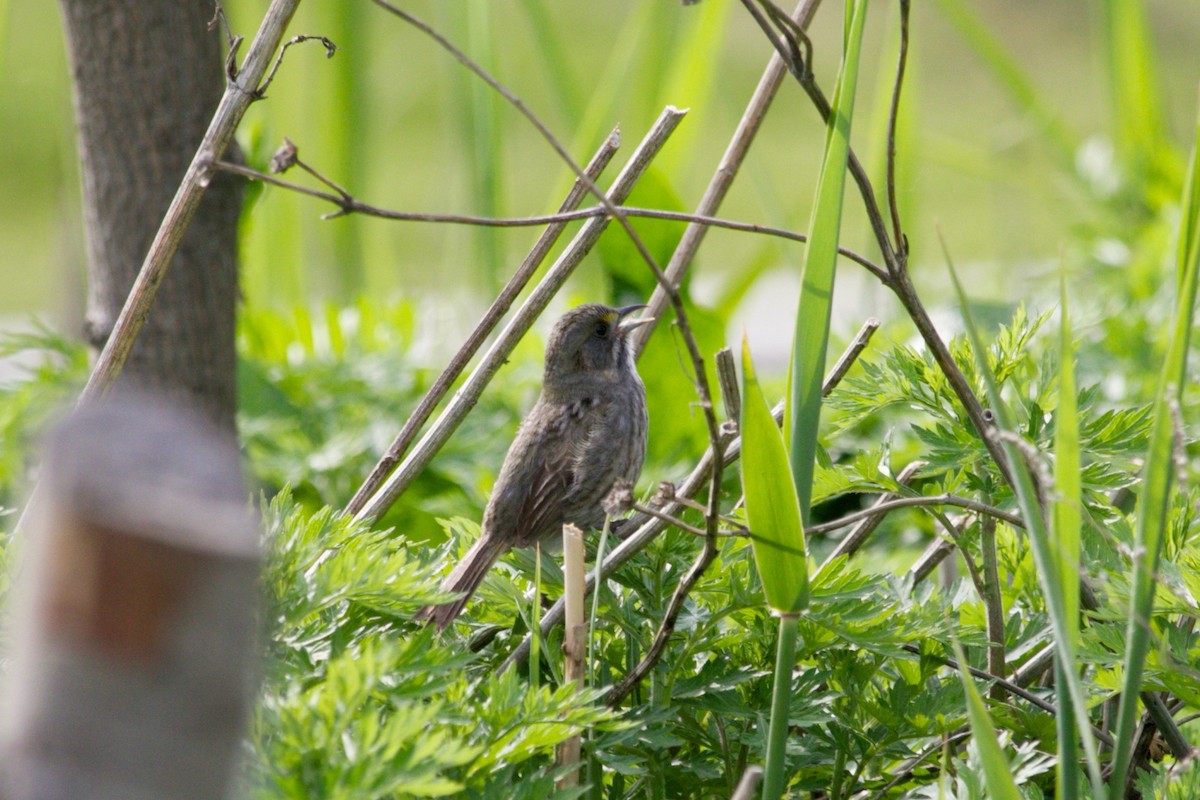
(402, 125)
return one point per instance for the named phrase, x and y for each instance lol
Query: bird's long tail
(465, 579)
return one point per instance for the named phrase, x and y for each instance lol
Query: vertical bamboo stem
(574, 640)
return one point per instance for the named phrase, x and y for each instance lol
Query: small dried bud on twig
(619, 500)
(1158, 749)
(285, 157)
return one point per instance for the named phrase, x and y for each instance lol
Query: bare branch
(662, 516)
(906, 770)
(782, 39)
(846, 360)
(894, 256)
(330, 49)
(937, 552)
(919, 501)
(1008, 686)
(727, 377)
(348, 204)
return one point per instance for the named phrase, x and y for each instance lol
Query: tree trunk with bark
(147, 78)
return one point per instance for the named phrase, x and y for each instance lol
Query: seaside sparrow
(586, 431)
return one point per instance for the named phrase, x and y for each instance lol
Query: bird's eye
(602, 328)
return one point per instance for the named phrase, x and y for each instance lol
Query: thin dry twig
(906, 770)
(932, 500)
(955, 533)
(1008, 686)
(893, 115)
(330, 49)
(731, 396)
(348, 204)
(642, 508)
(909, 768)
(667, 625)
(783, 39)
(856, 538)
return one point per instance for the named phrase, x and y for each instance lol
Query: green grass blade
(1039, 538)
(1153, 505)
(1067, 479)
(597, 585)
(535, 621)
(996, 772)
(1067, 775)
(817, 274)
(1068, 520)
(772, 508)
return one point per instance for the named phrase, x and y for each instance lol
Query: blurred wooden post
(574, 640)
(134, 612)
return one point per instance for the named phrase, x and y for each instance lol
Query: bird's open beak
(626, 325)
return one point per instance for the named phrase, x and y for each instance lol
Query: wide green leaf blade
(817, 274)
(996, 772)
(771, 505)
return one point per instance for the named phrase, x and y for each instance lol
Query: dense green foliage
(358, 700)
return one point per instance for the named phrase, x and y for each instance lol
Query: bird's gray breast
(614, 448)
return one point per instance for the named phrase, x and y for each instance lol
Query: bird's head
(591, 338)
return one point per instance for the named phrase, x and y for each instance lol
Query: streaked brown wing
(565, 434)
